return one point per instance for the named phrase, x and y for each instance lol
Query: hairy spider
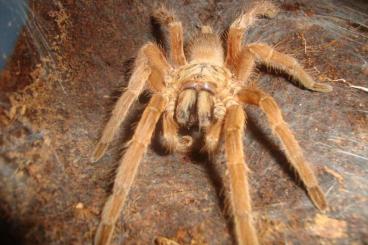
(209, 90)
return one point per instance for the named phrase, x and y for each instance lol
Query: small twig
(365, 89)
(338, 80)
(359, 87)
(305, 43)
(316, 69)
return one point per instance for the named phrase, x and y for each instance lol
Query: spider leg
(240, 25)
(287, 138)
(150, 65)
(175, 30)
(128, 169)
(245, 65)
(269, 56)
(238, 175)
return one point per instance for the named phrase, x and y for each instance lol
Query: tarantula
(209, 90)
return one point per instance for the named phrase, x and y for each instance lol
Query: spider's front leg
(150, 65)
(287, 138)
(238, 176)
(128, 169)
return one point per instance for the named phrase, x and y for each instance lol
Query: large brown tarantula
(209, 90)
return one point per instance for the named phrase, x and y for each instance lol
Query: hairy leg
(150, 64)
(175, 30)
(269, 56)
(238, 176)
(128, 169)
(245, 65)
(287, 138)
(240, 25)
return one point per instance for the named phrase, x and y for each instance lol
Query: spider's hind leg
(269, 56)
(175, 29)
(240, 25)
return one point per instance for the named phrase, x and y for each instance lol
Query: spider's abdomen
(206, 48)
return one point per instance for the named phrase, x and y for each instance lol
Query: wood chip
(326, 227)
